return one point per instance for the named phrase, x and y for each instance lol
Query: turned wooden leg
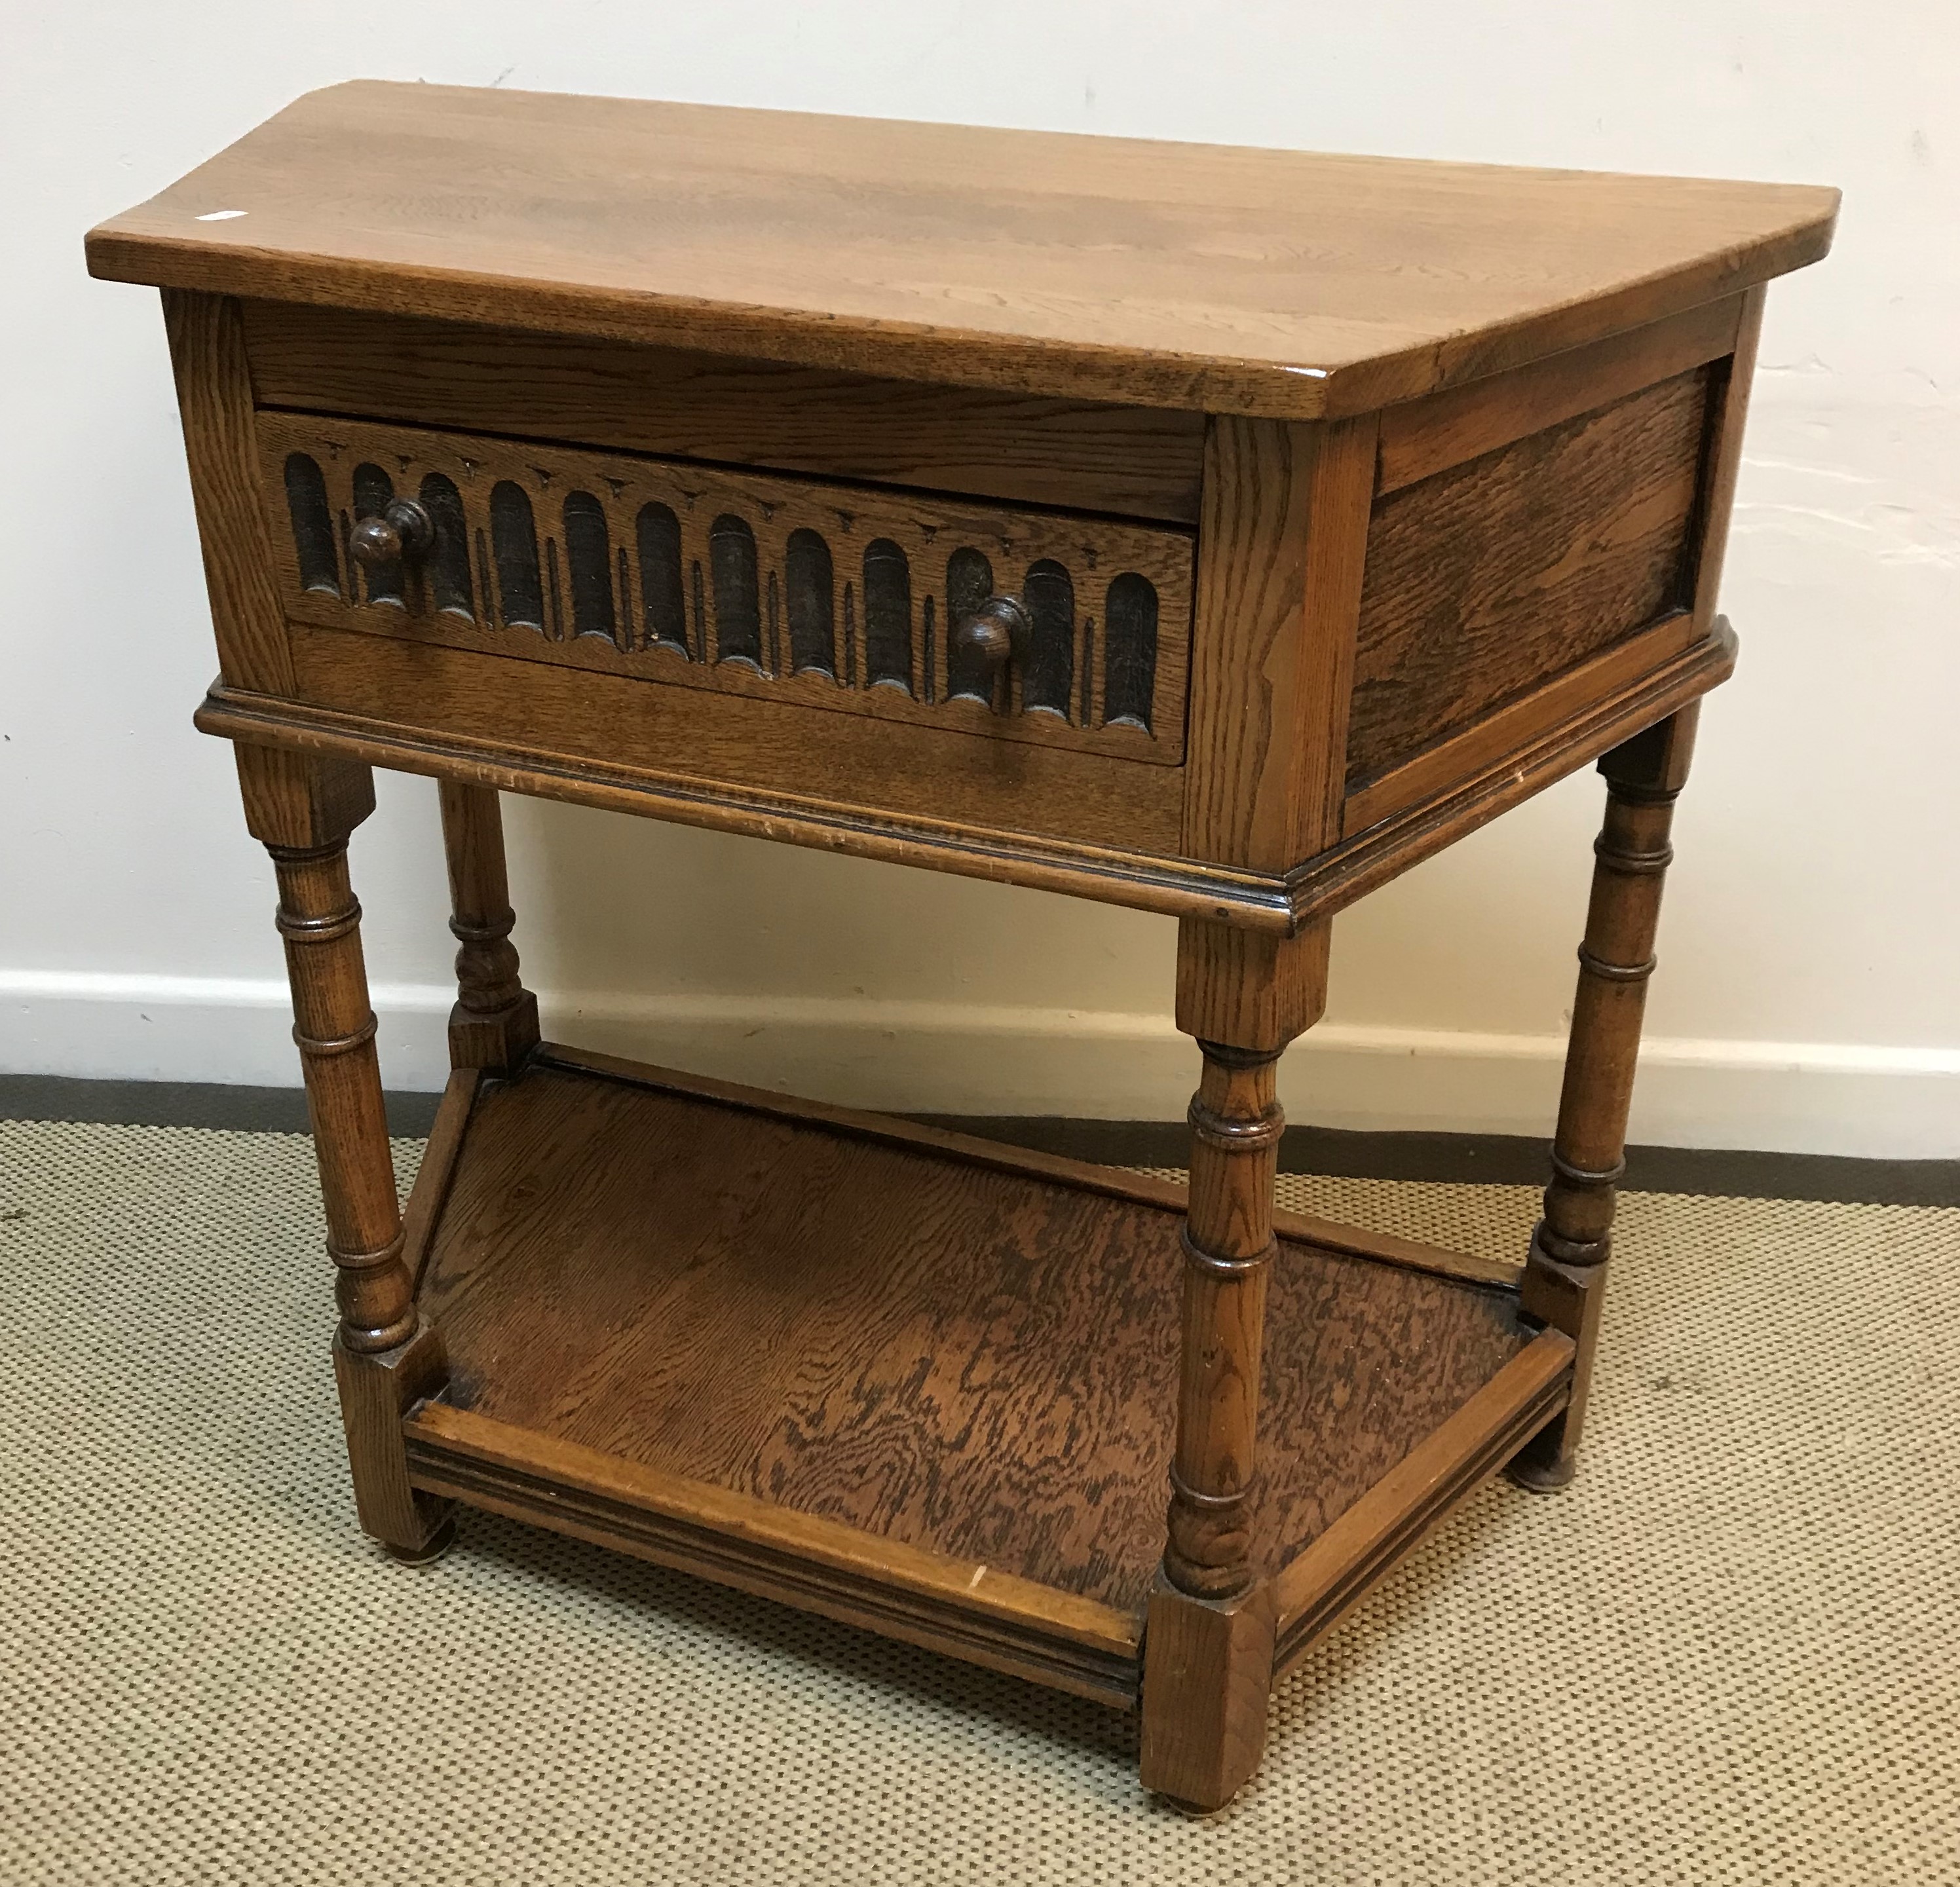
(384, 1357)
(1565, 1276)
(1208, 1642)
(494, 1024)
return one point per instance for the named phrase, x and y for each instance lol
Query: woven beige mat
(1730, 1653)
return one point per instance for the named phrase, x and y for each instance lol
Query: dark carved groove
(372, 488)
(1129, 655)
(513, 540)
(447, 560)
(588, 553)
(485, 586)
(969, 583)
(553, 590)
(738, 616)
(888, 616)
(812, 585)
(663, 594)
(313, 525)
(1049, 672)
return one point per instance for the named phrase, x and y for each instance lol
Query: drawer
(834, 596)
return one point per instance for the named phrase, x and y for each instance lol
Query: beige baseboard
(1877, 1101)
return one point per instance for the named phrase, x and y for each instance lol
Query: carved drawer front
(1010, 623)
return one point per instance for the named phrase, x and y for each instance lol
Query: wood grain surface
(385, 1355)
(1207, 1693)
(1207, 277)
(1080, 1176)
(494, 1022)
(1524, 720)
(1248, 988)
(1487, 580)
(1278, 587)
(1134, 461)
(969, 1361)
(1728, 394)
(303, 812)
(1212, 1546)
(1423, 437)
(1505, 770)
(367, 729)
(1565, 1274)
(973, 1611)
(206, 341)
(884, 767)
(365, 694)
(1317, 1589)
(424, 1209)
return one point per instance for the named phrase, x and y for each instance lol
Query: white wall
(1810, 995)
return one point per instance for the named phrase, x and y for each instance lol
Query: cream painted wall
(1809, 997)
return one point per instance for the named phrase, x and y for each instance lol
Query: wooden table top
(1205, 276)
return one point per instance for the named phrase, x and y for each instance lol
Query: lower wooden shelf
(915, 1381)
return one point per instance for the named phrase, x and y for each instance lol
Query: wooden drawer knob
(401, 529)
(994, 634)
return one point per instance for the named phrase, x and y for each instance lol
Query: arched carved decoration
(448, 560)
(588, 554)
(1129, 655)
(1049, 671)
(514, 544)
(888, 616)
(812, 585)
(313, 525)
(663, 588)
(738, 614)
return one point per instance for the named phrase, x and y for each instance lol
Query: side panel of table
(1526, 579)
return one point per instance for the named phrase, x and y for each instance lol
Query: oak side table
(1216, 532)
